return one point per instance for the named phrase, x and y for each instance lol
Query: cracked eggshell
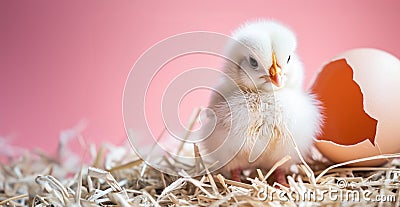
(359, 91)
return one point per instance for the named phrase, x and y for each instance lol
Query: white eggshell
(377, 73)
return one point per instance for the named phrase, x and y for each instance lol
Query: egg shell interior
(360, 106)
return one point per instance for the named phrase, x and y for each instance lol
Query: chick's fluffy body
(262, 117)
(270, 118)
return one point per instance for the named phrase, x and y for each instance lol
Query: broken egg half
(359, 91)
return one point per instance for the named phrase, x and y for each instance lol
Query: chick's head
(262, 56)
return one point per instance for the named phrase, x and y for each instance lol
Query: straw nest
(115, 176)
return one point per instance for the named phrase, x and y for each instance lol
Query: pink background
(64, 61)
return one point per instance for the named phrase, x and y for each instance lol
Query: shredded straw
(123, 179)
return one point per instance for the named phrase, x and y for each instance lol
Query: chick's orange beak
(275, 72)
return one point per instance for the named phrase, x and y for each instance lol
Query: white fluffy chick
(261, 102)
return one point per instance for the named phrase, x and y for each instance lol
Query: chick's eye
(253, 63)
(288, 59)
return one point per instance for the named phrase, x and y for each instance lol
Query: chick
(261, 103)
